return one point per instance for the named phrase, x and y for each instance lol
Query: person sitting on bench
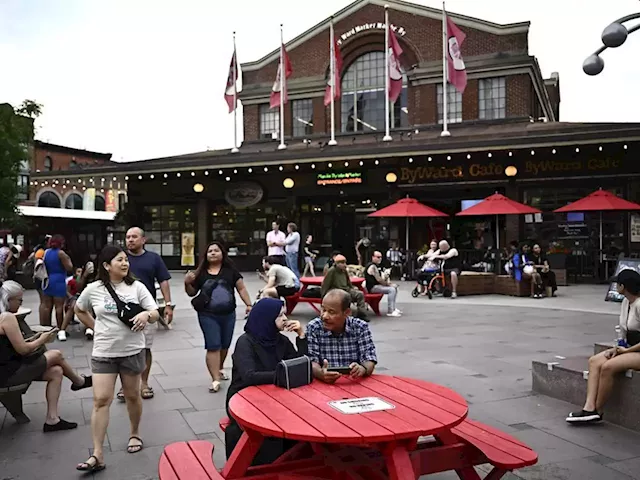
(604, 366)
(338, 278)
(280, 279)
(547, 275)
(24, 360)
(376, 282)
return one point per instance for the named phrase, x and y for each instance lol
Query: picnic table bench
(372, 299)
(370, 444)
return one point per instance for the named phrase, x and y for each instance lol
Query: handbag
(126, 310)
(293, 373)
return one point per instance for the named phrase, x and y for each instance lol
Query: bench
(507, 285)
(373, 299)
(187, 461)
(474, 283)
(11, 398)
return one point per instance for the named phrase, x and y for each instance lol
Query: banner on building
(188, 257)
(112, 201)
(89, 200)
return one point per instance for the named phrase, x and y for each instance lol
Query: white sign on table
(361, 405)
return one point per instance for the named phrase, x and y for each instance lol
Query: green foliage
(16, 137)
(29, 108)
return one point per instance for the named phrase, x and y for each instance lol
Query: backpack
(221, 298)
(40, 273)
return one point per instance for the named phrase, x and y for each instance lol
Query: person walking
(214, 282)
(149, 268)
(292, 248)
(118, 346)
(310, 254)
(54, 293)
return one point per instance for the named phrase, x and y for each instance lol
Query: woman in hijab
(256, 355)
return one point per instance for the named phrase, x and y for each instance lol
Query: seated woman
(256, 355)
(541, 265)
(529, 272)
(22, 361)
(430, 267)
(604, 366)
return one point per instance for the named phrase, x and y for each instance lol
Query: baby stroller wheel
(415, 292)
(430, 294)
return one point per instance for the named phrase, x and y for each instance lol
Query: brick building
(506, 122)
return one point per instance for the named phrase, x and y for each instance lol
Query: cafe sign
(339, 178)
(400, 31)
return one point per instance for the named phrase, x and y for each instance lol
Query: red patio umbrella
(599, 201)
(498, 204)
(408, 208)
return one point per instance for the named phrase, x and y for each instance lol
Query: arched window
(49, 200)
(100, 205)
(363, 96)
(48, 163)
(73, 202)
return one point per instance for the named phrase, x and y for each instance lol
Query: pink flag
(275, 91)
(455, 65)
(230, 93)
(336, 76)
(395, 75)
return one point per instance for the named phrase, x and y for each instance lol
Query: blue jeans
(292, 262)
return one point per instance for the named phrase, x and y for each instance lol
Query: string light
(361, 163)
(468, 156)
(126, 178)
(448, 157)
(178, 174)
(533, 152)
(313, 166)
(346, 164)
(411, 160)
(139, 177)
(235, 170)
(152, 176)
(330, 165)
(102, 179)
(377, 162)
(165, 175)
(250, 170)
(206, 173)
(219, 172)
(511, 154)
(297, 167)
(600, 148)
(280, 168)
(228, 179)
(266, 169)
(577, 150)
(429, 159)
(114, 179)
(193, 174)
(625, 147)
(553, 151)
(489, 155)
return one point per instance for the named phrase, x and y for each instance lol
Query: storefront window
(363, 96)
(454, 105)
(302, 111)
(243, 230)
(164, 228)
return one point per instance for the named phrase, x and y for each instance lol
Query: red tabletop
(317, 281)
(421, 408)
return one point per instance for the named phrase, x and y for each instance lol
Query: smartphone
(340, 370)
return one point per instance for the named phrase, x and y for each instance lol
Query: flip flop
(134, 448)
(147, 393)
(91, 467)
(224, 376)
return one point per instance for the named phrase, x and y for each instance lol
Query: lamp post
(612, 37)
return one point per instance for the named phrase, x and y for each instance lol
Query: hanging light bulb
(193, 174)
(361, 163)
(266, 169)
(489, 155)
(165, 175)
(330, 165)
(280, 168)
(313, 165)
(410, 160)
(297, 167)
(250, 170)
(377, 162)
(206, 173)
(178, 174)
(139, 177)
(553, 151)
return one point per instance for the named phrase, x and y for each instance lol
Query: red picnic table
(373, 299)
(372, 428)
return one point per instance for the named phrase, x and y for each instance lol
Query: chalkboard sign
(623, 264)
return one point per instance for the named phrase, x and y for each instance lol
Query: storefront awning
(30, 211)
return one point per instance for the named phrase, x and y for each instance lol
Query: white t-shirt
(630, 317)
(275, 237)
(111, 337)
(283, 275)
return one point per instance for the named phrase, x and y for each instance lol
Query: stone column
(512, 223)
(202, 233)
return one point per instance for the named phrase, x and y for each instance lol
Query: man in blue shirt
(149, 268)
(336, 339)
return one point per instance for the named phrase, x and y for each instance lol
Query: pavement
(480, 346)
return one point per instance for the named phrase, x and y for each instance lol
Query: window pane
(269, 121)
(302, 117)
(100, 204)
(492, 96)
(73, 202)
(454, 105)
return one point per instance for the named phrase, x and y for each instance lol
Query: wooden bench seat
(188, 461)
(373, 299)
(507, 285)
(11, 398)
(474, 283)
(503, 451)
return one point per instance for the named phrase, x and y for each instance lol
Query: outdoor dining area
(378, 427)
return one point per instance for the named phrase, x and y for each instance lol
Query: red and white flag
(275, 91)
(456, 71)
(230, 93)
(336, 76)
(395, 75)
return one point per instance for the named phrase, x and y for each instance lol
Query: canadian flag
(395, 75)
(456, 71)
(275, 91)
(337, 63)
(230, 93)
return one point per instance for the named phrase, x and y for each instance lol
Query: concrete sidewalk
(482, 347)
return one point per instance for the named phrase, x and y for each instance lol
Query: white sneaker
(62, 336)
(88, 333)
(454, 295)
(399, 311)
(395, 313)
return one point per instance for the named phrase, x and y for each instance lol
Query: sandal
(120, 396)
(215, 387)
(147, 393)
(134, 448)
(224, 376)
(91, 467)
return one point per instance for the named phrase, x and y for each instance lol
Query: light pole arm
(612, 37)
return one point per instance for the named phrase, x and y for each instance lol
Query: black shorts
(448, 271)
(30, 370)
(286, 291)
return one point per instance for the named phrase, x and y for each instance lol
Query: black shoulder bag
(127, 311)
(294, 373)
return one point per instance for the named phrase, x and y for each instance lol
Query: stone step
(566, 379)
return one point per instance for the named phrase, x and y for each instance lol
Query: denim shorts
(217, 330)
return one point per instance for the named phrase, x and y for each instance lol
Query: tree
(16, 138)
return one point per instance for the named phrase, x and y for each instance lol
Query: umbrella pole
(499, 266)
(601, 255)
(407, 237)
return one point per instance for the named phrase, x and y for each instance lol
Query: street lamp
(612, 37)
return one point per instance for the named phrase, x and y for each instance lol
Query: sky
(145, 78)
